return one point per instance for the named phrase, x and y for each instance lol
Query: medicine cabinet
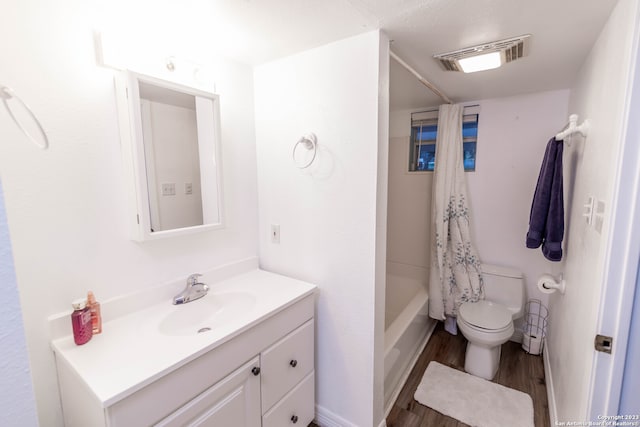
(170, 137)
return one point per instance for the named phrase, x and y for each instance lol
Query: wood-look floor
(518, 370)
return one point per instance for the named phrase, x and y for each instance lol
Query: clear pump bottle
(96, 315)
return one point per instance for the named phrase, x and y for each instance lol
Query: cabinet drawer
(296, 408)
(285, 363)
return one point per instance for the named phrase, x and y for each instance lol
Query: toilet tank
(505, 286)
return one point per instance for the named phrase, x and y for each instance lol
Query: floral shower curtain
(455, 275)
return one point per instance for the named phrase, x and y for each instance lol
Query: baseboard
(551, 395)
(405, 375)
(326, 418)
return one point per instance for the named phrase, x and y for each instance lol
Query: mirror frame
(132, 145)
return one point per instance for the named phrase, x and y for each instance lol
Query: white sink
(206, 313)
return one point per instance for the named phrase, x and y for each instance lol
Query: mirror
(170, 136)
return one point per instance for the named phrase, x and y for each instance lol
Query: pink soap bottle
(81, 322)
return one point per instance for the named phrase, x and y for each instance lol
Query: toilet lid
(485, 314)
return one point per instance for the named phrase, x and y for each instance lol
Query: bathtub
(407, 326)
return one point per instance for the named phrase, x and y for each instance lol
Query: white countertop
(132, 352)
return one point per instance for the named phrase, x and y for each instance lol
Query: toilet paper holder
(548, 284)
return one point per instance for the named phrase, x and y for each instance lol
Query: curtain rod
(435, 110)
(422, 80)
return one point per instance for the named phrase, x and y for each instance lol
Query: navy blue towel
(546, 221)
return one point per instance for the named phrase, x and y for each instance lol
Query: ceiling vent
(485, 56)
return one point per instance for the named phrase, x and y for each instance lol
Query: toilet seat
(485, 316)
(478, 330)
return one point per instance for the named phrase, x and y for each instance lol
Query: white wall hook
(573, 127)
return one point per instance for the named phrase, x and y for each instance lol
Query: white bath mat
(473, 400)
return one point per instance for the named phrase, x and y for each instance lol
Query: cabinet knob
(255, 370)
(293, 363)
(294, 419)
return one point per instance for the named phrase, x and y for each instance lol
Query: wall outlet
(599, 215)
(169, 189)
(275, 233)
(188, 188)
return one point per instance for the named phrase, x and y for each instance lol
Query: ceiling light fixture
(485, 56)
(485, 61)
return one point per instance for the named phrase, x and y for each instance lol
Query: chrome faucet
(192, 292)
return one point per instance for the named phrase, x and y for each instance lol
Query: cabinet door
(234, 401)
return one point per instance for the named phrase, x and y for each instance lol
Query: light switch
(275, 233)
(587, 213)
(169, 189)
(188, 188)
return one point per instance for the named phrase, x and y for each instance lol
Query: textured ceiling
(258, 31)
(562, 35)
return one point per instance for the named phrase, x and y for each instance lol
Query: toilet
(487, 324)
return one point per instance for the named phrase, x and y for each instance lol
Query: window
(424, 129)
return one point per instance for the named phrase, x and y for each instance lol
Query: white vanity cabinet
(273, 389)
(261, 375)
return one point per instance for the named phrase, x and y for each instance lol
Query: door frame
(622, 255)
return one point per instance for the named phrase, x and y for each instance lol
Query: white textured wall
(67, 208)
(327, 213)
(512, 136)
(17, 401)
(599, 94)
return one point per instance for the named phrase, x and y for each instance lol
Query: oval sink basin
(206, 313)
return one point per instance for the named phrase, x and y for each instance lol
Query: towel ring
(7, 93)
(310, 142)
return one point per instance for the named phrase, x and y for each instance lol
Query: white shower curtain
(455, 275)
